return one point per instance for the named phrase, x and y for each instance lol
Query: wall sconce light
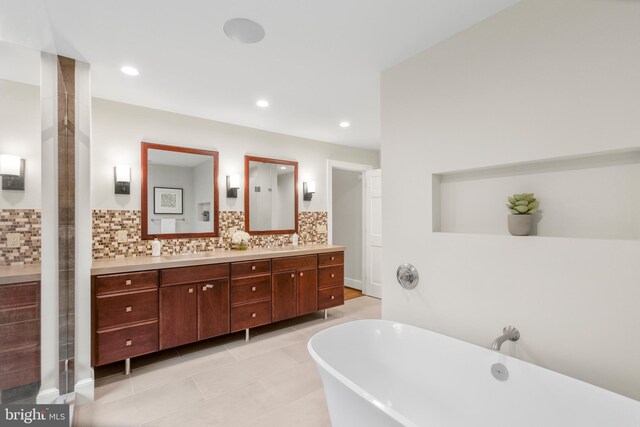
(12, 171)
(308, 190)
(233, 183)
(123, 179)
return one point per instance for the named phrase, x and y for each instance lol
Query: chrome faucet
(508, 333)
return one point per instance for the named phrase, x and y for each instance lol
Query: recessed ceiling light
(243, 30)
(262, 103)
(130, 71)
(283, 167)
(345, 124)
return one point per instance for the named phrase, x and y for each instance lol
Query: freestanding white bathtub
(382, 373)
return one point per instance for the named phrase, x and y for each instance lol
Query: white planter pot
(520, 225)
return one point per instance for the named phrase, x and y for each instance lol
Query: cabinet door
(307, 291)
(178, 315)
(284, 295)
(213, 308)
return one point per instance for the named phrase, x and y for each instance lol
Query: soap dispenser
(294, 239)
(155, 247)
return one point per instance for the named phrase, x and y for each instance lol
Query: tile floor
(269, 381)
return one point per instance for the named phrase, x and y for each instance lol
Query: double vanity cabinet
(168, 302)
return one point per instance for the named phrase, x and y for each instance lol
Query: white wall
(20, 136)
(119, 128)
(347, 220)
(285, 203)
(542, 79)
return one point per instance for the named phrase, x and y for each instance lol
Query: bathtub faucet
(508, 333)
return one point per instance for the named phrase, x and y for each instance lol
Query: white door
(373, 233)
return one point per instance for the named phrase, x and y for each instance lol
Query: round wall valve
(408, 276)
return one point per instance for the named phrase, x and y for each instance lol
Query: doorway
(346, 227)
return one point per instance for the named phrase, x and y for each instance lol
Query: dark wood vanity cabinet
(194, 304)
(295, 286)
(142, 312)
(20, 334)
(250, 294)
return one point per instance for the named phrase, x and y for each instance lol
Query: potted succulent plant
(522, 207)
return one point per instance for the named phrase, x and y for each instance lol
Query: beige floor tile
(112, 388)
(311, 328)
(309, 411)
(264, 343)
(229, 377)
(298, 351)
(142, 407)
(295, 382)
(180, 367)
(229, 409)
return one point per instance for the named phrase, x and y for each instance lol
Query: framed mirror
(270, 196)
(179, 192)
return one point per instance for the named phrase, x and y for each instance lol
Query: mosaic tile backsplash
(106, 224)
(26, 223)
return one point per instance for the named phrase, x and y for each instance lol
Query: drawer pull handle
(128, 309)
(333, 258)
(293, 275)
(190, 290)
(128, 343)
(333, 275)
(253, 289)
(301, 274)
(332, 297)
(253, 267)
(127, 282)
(253, 314)
(207, 286)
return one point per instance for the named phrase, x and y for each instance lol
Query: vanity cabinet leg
(326, 314)
(127, 366)
(246, 335)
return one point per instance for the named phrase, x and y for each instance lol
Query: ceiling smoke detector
(243, 30)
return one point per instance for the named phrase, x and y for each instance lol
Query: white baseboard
(84, 391)
(353, 283)
(374, 290)
(47, 396)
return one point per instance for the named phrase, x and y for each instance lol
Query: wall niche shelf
(593, 195)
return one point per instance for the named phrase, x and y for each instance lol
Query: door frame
(353, 167)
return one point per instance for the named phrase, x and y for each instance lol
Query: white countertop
(140, 263)
(19, 274)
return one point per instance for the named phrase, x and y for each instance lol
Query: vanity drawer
(188, 275)
(249, 289)
(20, 377)
(249, 268)
(250, 315)
(293, 263)
(19, 314)
(17, 295)
(124, 309)
(330, 297)
(126, 282)
(19, 334)
(20, 358)
(331, 258)
(124, 343)
(330, 276)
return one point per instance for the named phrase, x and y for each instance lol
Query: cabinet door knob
(332, 297)
(293, 275)
(127, 282)
(190, 290)
(253, 267)
(128, 343)
(207, 286)
(333, 258)
(253, 288)
(128, 309)
(301, 274)
(253, 315)
(333, 275)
